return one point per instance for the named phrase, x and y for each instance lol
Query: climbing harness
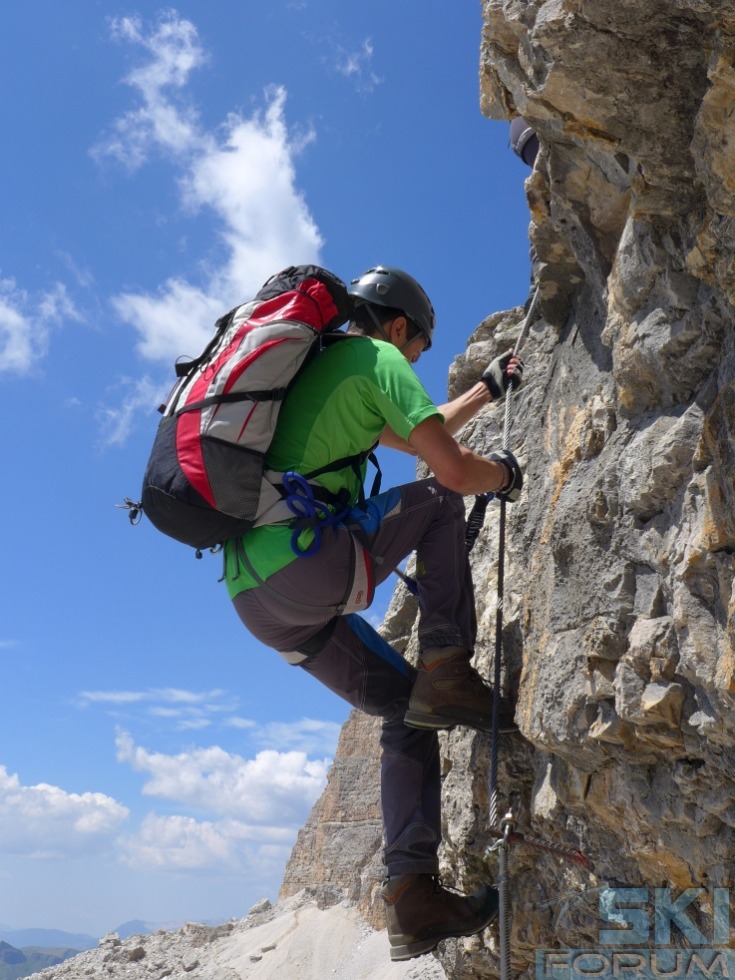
(309, 512)
(504, 830)
(312, 513)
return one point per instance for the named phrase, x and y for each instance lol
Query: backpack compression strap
(271, 394)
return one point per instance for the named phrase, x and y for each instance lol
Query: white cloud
(174, 50)
(56, 306)
(112, 697)
(187, 710)
(172, 695)
(357, 66)
(26, 323)
(249, 810)
(117, 421)
(177, 320)
(193, 724)
(82, 275)
(45, 821)
(254, 808)
(166, 695)
(245, 724)
(306, 735)
(274, 788)
(248, 180)
(192, 710)
(243, 175)
(179, 696)
(20, 346)
(177, 843)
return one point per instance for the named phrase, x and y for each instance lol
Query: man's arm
(454, 465)
(458, 412)
(464, 407)
(393, 441)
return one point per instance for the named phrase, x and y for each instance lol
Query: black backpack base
(177, 509)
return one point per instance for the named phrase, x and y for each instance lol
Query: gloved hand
(499, 374)
(511, 489)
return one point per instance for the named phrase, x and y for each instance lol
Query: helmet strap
(379, 326)
(381, 329)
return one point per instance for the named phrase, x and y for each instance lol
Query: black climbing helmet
(385, 286)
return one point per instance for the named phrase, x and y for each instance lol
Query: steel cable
(503, 896)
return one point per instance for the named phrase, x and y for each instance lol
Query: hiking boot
(420, 913)
(448, 692)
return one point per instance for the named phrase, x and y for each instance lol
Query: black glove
(496, 375)
(511, 489)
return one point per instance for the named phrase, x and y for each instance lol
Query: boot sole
(410, 950)
(427, 719)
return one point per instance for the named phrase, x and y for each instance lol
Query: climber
(524, 142)
(357, 391)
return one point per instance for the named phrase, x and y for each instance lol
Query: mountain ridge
(47, 938)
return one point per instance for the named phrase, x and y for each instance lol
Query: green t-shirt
(337, 407)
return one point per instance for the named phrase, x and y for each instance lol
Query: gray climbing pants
(348, 656)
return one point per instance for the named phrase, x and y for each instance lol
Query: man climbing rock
(299, 584)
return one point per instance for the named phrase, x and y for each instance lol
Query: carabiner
(300, 501)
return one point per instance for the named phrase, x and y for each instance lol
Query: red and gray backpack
(205, 480)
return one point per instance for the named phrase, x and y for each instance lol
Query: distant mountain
(135, 927)
(9, 954)
(47, 938)
(17, 963)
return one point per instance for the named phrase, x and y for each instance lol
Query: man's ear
(399, 329)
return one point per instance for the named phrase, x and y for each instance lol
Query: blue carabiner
(313, 547)
(294, 483)
(300, 501)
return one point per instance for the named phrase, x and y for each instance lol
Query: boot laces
(439, 886)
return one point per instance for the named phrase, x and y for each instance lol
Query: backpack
(205, 480)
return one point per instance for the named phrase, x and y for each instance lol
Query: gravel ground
(295, 940)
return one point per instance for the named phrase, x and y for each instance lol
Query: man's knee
(450, 499)
(311, 647)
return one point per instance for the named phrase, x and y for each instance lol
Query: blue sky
(159, 165)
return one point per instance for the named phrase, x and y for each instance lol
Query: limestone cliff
(619, 613)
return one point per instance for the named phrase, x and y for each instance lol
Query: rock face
(619, 611)
(336, 855)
